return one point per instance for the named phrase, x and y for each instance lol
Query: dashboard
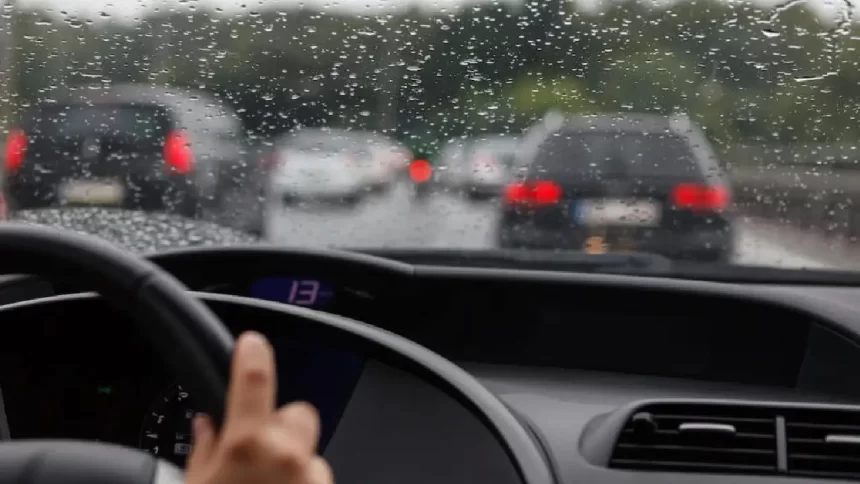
(297, 291)
(565, 352)
(88, 388)
(379, 421)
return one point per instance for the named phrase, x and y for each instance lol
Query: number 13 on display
(303, 292)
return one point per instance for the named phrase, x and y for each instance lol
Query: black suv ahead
(620, 183)
(141, 147)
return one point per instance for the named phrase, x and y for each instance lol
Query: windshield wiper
(545, 260)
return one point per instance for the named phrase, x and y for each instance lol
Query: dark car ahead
(131, 146)
(613, 183)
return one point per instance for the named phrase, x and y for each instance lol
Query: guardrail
(842, 156)
(820, 198)
(812, 186)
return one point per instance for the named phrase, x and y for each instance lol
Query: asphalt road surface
(448, 221)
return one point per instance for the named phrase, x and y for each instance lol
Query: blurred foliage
(746, 74)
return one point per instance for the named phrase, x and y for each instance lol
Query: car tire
(710, 257)
(242, 209)
(32, 202)
(351, 201)
(257, 228)
(476, 196)
(725, 257)
(383, 188)
(189, 206)
(503, 241)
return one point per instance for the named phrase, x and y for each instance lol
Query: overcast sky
(129, 10)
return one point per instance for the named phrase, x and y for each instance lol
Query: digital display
(319, 374)
(291, 290)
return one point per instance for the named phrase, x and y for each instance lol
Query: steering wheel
(196, 346)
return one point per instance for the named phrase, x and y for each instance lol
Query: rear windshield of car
(322, 147)
(142, 122)
(317, 141)
(612, 154)
(502, 150)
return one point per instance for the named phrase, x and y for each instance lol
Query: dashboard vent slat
(805, 441)
(699, 438)
(823, 443)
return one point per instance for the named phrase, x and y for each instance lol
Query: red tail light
(270, 160)
(16, 147)
(700, 198)
(177, 153)
(533, 193)
(420, 171)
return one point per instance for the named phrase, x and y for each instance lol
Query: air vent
(695, 437)
(823, 443)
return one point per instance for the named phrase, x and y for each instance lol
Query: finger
(204, 441)
(301, 422)
(319, 472)
(251, 396)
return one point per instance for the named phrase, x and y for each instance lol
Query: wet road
(448, 221)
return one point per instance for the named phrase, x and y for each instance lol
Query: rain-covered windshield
(496, 150)
(609, 154)
(74, 120)
(709, 132)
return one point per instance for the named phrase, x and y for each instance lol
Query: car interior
(424, 373)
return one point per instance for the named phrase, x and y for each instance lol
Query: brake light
(16, 147)
(533, 193)
(420, 171)
(177, 153)
(270, 160)
(700, 198)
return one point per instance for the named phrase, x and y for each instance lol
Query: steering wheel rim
(197, 347)
(193, 341)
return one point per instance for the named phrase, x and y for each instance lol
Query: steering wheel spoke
(194, 343)
(72, 462)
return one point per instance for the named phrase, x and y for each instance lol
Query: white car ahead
(489, 166)
(386, 160)
(318, 172)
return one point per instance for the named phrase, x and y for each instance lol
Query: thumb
(204, 441)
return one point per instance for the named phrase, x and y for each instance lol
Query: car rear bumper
(304, 192)
(712, 245)
(484, 190)
(172, 193)
(334, 195)
(380, 178)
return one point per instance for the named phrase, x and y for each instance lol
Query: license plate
(596, 245)
(617, 212)
(601, 245)
(93, 192)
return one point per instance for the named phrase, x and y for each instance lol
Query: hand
(258, 444)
